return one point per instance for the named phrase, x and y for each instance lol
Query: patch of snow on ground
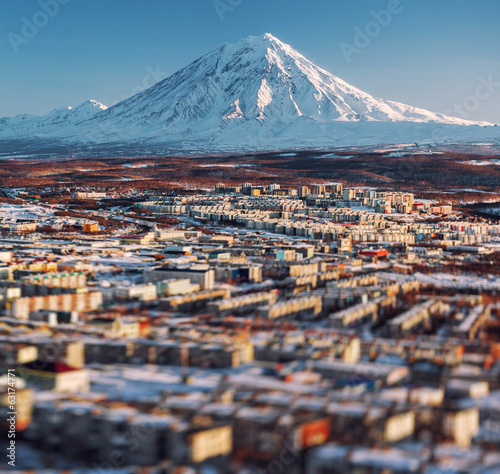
(478, 163)
(333, 155)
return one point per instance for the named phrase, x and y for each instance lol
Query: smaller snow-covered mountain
(58, 122)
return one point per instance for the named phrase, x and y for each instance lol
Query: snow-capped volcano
(258, 79)
(256, 93)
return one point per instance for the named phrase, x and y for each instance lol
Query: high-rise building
(246, 188)
(319, 189)
(337, 188)
(220, 188)
(349, 194)
(302, 191)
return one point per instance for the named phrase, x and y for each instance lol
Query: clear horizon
(440, 57)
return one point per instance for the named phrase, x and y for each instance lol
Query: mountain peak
(92, 104)
(268, 37)
(263, 43)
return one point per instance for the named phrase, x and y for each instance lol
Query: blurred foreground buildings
(316, 330)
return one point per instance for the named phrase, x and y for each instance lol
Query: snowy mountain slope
(258, 93)
(58, 121)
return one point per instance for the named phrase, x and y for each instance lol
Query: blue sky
(428, 53)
